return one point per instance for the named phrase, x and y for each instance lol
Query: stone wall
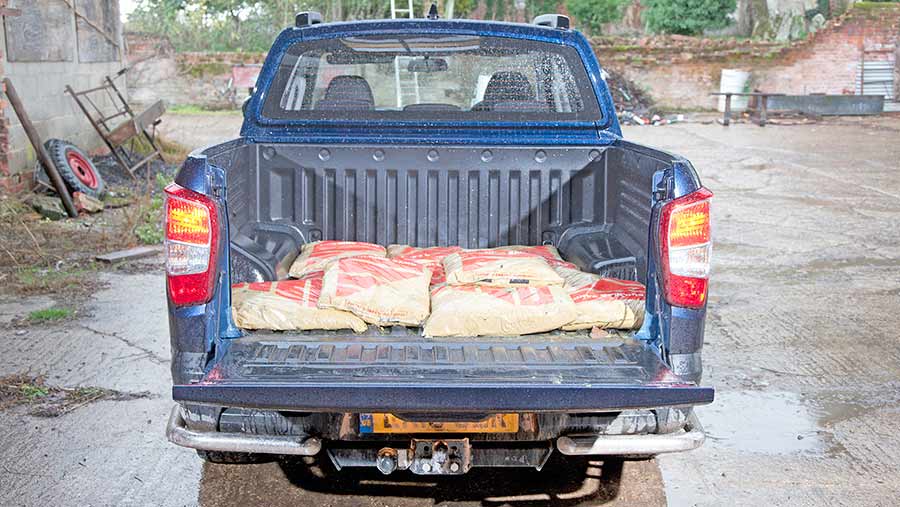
(47, 48)
(681, 72)
(156, 72)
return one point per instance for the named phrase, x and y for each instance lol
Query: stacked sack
(298, 304)
(384, 292)
(505, 291)
(606, 303)
(288, 305)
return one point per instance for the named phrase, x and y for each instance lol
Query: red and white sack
(480, 310)
(287, 305)
(316, 256)
(380, 291)
(430, 257)
(606, 303)
(548, 252)
(500, 268)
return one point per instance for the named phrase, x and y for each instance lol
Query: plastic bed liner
(333, 374)
(593, 204)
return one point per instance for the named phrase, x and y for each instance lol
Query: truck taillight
(685, 249)
(191, 242)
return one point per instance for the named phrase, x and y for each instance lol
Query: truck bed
(595, 204)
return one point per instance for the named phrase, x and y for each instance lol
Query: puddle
(853, 262)
(833, 412)
(761, 422)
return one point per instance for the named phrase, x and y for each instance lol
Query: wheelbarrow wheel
(75, 168)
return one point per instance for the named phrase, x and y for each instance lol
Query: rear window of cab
(431, 77)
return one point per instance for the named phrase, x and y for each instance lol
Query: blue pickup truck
(432, 132)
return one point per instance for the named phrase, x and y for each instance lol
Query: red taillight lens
(685, 249)
(191, 243)
(689, 225)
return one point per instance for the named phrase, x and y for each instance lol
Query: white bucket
(734, 81)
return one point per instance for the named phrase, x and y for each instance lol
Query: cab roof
(436, 26)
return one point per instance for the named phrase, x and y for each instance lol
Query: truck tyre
(75, 168)
(230, 458)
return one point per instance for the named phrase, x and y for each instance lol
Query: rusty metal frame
(111, 134)
(762, 106)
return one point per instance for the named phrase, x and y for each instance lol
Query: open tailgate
(356, 374)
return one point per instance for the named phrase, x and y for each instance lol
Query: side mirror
(245, 105)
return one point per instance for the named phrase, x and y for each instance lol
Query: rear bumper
(690, 438)
(178, 433)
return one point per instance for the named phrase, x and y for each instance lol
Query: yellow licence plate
(389, 423)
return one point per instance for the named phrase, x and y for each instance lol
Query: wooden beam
(91, 24)
(130, 254)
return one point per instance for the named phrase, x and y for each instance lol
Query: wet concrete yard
(802, 345)
(802, 340)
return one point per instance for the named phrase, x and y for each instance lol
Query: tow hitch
(438, 456)
(427, 457)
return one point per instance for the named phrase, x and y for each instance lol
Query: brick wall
(830, 63)
(681, 72)
(192, 59)
(190, 78)
(9, 183)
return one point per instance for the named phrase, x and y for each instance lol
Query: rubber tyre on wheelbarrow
(75, 168)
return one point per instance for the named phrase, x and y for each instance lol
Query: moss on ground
(49, 314)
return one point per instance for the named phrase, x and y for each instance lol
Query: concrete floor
(802, 346)
(802, 335)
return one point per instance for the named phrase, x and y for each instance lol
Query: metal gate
(877, 78)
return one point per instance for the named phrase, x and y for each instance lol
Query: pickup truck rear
(435, 133)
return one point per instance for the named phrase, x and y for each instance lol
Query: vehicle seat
(347, 92)
(506, 87)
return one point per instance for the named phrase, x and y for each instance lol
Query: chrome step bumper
(178, 433)
(691, 437)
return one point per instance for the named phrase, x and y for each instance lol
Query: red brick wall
(681, 72)
(830, 63)
(191, 59)
(194, 78)
(9, 183)
(141, 46)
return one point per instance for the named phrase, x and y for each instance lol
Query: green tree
(462, 8)
(593, 14)
(156, 16)
(250, 25)
(538, 7)
(495, 9)
(686, 17)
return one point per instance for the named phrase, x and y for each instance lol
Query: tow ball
(427, 457)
